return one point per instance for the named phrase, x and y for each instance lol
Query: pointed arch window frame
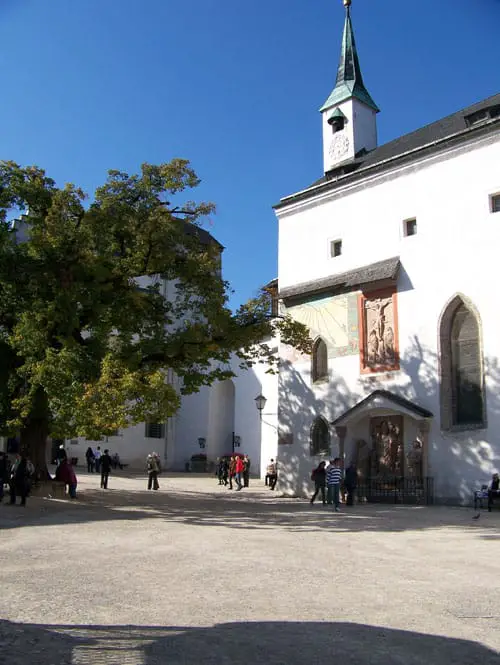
(319, 375)
(446, 396)
(319, 451)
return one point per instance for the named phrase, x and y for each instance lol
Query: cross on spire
(349, 78)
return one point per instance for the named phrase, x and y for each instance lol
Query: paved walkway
(195, 573)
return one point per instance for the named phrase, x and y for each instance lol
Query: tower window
(335, 248)
(410, 227)
(320, 438)
(319, 361)
(495, 203)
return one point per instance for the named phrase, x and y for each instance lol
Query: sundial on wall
(339, 146)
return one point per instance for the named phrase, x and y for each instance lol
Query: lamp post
(260, 403)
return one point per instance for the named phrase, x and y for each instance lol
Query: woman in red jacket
(239, 467)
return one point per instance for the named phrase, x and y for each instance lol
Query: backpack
(313, 474)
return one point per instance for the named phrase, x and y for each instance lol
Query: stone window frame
(318, 376)
(495, 203)
(391, 291)
(335, 244)
(410, 223)
(445, 368)
(154, 430)
(318, 451)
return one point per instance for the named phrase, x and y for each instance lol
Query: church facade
(389, 258)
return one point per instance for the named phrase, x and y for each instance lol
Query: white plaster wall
(131, 445)
(455, 250)
(259, 438)
(221, 419)
(191, 423)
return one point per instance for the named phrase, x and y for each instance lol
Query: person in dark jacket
(61, 454)
(246, 471)
(494, 490)
(231, 471)
(225, 471)
(350, 483)
(19, 479)
(153, 467)
(105, 465)
(319, 478)
(90, 460)
(4, 472)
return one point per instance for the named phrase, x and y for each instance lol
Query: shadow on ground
(242, 511)
(275, 643)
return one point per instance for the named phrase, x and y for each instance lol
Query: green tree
(85, 351)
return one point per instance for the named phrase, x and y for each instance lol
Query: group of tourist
(99, 461)
(328, 480)
(94, 459)
(234, 468)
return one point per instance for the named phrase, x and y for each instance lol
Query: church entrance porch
(385, 439)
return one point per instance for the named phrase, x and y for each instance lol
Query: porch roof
(383, 399)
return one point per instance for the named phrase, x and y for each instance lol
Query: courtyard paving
(195, 573)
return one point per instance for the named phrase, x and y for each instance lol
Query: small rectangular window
(495, 203)
(410, 227)
(335, 248)
(154, 431)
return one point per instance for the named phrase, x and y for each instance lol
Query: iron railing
(397, 490)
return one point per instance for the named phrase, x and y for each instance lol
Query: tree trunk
(34, 436)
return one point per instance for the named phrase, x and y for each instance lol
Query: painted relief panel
(334, 319)
(379, 332)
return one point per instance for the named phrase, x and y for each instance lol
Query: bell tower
(349, 114)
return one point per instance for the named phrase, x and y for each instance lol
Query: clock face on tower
(338, 147)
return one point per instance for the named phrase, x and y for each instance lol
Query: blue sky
(234, 86)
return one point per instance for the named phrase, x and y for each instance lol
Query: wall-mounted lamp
(202, 442)
(260, 403)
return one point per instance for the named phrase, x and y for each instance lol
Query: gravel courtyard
(195, 573)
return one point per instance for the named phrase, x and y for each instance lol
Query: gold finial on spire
(347, 3)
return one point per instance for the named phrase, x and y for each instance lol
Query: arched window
(320, 437)
(462, 389)
(319, 361)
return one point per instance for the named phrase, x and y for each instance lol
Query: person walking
(272, 474)
(153, 468)
(350, 482)
(231, 472)
(97, 459)
(61, 454)
(20, 479)
(333, 478)
(246, 471)
(4, 472)
(319, 478)
(219, 472)
(105, 466)
(238, 471)
(89, 455)
(225, 471)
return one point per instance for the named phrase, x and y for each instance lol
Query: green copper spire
(349, 79)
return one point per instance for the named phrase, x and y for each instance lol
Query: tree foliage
(100, 300)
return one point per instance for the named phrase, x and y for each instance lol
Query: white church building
(390, 259)
(218, 420)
